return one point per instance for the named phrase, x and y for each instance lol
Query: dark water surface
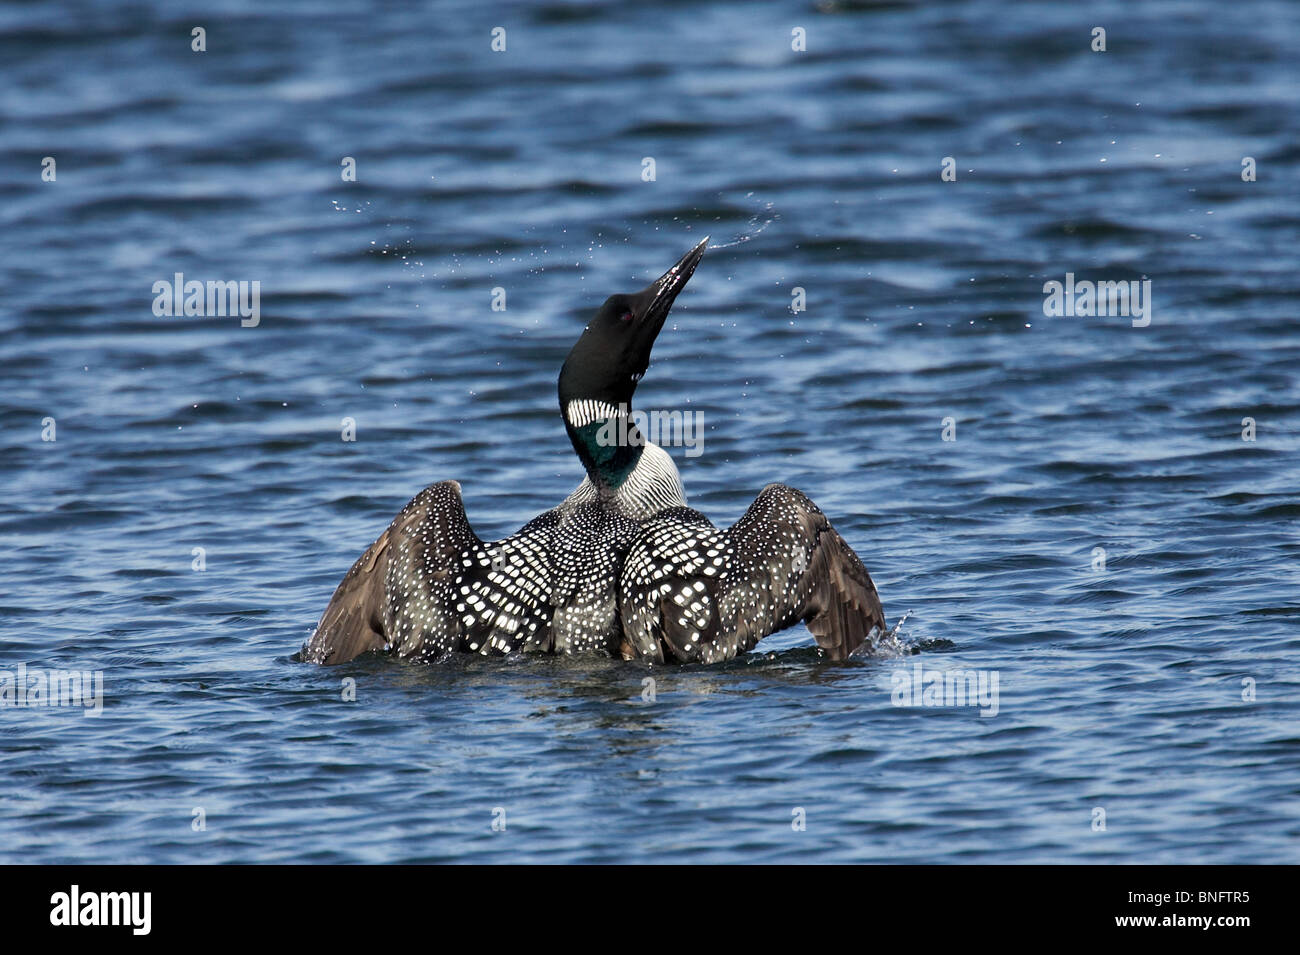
(1121, 689)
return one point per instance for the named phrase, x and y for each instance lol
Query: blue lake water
(1156, 680)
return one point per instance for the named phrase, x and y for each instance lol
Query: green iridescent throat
(609, 455)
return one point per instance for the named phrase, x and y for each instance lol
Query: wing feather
(690, 591)
(419, 546)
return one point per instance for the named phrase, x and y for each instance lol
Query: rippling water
(1121, 686)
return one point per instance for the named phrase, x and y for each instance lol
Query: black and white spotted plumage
(430, 586)
(691, 592)
(639, 576)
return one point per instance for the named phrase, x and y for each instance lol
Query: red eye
(625, 317)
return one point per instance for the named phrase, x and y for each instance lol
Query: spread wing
(692, 592)
(416, 552)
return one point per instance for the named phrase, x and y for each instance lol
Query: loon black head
(603, 368)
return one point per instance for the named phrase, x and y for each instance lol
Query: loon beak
(659, 295)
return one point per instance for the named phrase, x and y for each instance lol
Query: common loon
(622, 566)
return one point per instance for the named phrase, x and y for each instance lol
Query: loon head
(604, 367)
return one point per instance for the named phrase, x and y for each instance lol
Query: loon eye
(625, 317)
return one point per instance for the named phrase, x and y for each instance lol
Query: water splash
(754, 228)
(891, 644)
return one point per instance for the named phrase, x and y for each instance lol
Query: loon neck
(607, 441)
